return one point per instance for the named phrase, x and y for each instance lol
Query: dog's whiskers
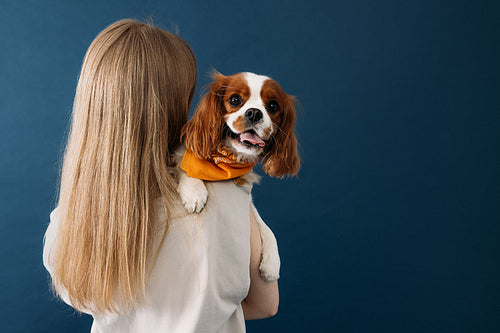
(284, 133)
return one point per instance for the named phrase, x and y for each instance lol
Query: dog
(242, 119)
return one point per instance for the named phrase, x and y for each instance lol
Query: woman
(120, 245)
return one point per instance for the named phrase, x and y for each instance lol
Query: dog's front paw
(270, 265)
(193, 193)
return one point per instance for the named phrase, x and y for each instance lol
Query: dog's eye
(235, 100)
(273, 107)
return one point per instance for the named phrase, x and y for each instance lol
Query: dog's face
(251, 116)
(252, 113)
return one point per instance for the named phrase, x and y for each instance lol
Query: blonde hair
(131, 102)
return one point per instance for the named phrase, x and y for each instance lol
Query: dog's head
(251, 116)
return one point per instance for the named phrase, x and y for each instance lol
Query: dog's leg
(270, 262)
(192, 191)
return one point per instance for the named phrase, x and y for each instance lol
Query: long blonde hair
(132, 99)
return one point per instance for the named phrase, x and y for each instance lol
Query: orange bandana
(222, 166)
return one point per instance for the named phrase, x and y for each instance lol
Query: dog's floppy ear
(282, 157)
(202, 134)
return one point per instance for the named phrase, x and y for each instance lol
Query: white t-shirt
(201, 274)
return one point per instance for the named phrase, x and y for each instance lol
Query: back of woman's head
(132, 99)
(138, 79)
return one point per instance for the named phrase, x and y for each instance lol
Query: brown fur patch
(267, 132)
(236, 85)
(240, 124)
(270, 91)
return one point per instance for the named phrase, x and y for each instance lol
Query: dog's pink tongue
(252, 138)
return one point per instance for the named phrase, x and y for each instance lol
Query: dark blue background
(393, 223)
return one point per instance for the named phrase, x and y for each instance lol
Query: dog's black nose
(254, 115)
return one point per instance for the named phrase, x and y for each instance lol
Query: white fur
(193, 192)
(244, 154)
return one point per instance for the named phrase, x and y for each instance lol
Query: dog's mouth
(248, 138)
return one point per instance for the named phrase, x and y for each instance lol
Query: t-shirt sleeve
(49, 241)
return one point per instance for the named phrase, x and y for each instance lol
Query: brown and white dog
(250, 116)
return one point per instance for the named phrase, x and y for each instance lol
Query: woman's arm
(263, 298)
